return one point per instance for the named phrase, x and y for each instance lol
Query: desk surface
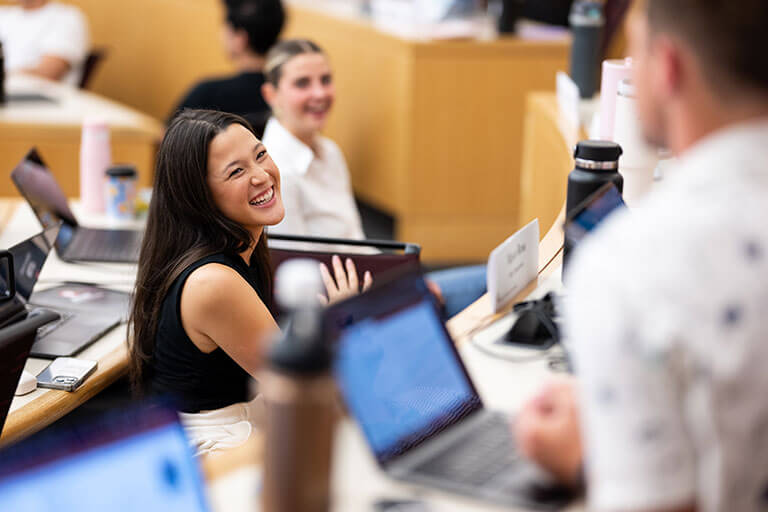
(36, 410)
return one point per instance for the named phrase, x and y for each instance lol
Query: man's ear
(268, 93)
(669, 66)
(241, 40)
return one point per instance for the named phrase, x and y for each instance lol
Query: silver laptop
(86, 312)
(74, 243)
(406, 386)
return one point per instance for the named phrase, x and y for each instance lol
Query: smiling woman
(202, 316)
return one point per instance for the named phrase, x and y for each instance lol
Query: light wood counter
(55, 129)
(433, 130)
(548, 144)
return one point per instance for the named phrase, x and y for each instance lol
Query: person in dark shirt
(251, 28)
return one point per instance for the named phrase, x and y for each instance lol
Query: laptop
(75, 242)
(86, 312)
(127, 460)
(15, 342)
(406, 386)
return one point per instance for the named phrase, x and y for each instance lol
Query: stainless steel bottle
(300, 396)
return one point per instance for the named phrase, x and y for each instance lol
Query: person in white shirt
(316, 186)
(317, 192)
(43, 38)
(666, 304)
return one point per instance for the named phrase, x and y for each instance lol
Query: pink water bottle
(614, 71)
(95, 158)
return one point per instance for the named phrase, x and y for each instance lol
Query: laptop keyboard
(105, 245)
(47, 329)
(484, 453)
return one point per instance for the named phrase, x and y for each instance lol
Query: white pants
(224, 428)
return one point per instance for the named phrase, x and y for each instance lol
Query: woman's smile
(265, 199)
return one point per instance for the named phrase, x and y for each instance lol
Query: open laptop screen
(39, 187)
(29, 257)
(398, 369)
(132, 460)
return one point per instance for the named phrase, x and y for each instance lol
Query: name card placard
(512, 265)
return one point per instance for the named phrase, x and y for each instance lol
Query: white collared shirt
(667, 320)
(316, 188)
(54, 29)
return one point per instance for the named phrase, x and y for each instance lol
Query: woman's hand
(344, 282)
(548, 430)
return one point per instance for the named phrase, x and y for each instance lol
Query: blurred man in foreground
(666, 307)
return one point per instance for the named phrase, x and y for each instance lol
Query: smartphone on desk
(66, 373)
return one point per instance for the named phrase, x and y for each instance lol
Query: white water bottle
(95, 159)
(638, 162)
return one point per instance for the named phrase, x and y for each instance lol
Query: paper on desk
(512, 265)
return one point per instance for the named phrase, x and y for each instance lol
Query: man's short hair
(730, 37)
(262, 20)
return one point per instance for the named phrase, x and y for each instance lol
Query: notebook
(75, 242)
(406, 386)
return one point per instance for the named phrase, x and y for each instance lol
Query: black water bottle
(587, 22)
(510, 12)
(597, 163)
(2, 76)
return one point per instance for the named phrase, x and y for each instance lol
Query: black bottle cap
(122, 171)
(302, 349)
(598, 151)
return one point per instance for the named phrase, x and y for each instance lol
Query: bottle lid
(301, 349)
(122, 171)
(597, 151)
(586, 14)
(297, 283)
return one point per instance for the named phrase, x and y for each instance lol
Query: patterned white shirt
(667, 320)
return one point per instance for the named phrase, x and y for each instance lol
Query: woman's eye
(302, 82)
(327, 79)
(235, 172)
(261, 154)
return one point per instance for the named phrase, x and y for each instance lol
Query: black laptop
(75, 242)
(405, 384)
(86, 312)
(16, 338)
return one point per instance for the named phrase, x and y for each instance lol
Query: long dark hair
(183, 226)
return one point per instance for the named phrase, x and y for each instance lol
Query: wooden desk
(55, 128)
(34, 411)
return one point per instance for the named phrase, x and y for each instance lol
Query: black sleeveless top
(196, 381)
